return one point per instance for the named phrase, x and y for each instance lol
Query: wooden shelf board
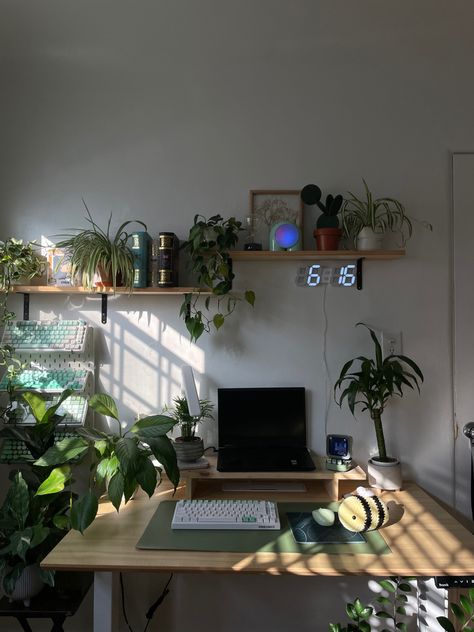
(314, 255)
(73, 289)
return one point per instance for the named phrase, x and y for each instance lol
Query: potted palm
(100, 257)
(188, 446)
(328, 233)
(208, 247)
(373, 386)
(365, 221)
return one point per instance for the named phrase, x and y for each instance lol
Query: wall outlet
(391, 343)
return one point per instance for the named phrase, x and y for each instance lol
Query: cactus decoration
(311, 194)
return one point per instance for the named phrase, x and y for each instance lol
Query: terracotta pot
(188, 451)
(102, 277)
(327, 238)
(385, 474)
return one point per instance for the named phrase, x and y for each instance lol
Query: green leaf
(127, 453)
(466, 604)
(405, 587)
(83, 512)
(153, 426)
(218, 320)
(63, 451)
(381, 614)
(351, 611)
(36, 403)
(55, 482)
(101, 446)
(358, 606)
(106, 468)
(445, 624)
(115, 490)
(471, 594)
(164, 452)
(384, 600)
(457, 611)
(401, 610)
(250, 297)
(364, 626)
(61, 521)
(146, 477)
(47, 576)
(401, 626)
(18, 500)
(105, 405)
(388, 585)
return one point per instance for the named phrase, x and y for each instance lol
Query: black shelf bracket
(104, 309)
(26, 306)
(359, 273)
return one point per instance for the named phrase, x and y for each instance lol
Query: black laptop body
(262, 430)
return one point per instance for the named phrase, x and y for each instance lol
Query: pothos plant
(208, 246)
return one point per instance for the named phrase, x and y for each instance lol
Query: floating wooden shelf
(74, 289)
(312, 255)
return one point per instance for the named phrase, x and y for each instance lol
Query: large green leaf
(37, 405)
(63, 451)
(107, 467)
(146, 476)
(55, 482)
(128, 453)
(153, 426)
(105, 405)
(116, 489)
(164, 452)
(17, 501)
(83, 512)
(446, 624)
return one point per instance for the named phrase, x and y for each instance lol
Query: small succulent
(311, 194)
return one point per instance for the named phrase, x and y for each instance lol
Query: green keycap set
(51, 335)
(72, 368)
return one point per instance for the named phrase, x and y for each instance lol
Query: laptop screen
(262, 417)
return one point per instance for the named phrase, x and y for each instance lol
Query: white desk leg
(105, 602)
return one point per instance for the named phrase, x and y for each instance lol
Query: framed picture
(269, 206)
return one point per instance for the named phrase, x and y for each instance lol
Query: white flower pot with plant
(188, 446)
(373, 386)
(366, 221)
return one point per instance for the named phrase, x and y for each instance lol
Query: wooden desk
(425, 541)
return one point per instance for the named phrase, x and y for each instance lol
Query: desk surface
(426, 541)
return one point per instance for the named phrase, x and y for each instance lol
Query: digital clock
(340, 274)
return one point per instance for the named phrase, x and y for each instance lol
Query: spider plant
(96, 251)
(379, 214)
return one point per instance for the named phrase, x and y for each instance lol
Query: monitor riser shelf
(321, 484)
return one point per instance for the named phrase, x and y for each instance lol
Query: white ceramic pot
(367, 239)
(28, 585)
(385, 475)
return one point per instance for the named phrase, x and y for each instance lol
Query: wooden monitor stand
(321, 484)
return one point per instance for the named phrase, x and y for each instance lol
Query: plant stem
(377, 418)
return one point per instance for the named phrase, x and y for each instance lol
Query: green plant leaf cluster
(375, 383)
(188, 424)
(311, 194)
(208, 246)
(379, 214)
(94, 249)
(464, 613)
(359, 614)
(122, 460)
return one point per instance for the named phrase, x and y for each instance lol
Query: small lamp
(285, 236)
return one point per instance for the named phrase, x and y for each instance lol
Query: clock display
(340, 274)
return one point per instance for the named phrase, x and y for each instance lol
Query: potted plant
(328, 233)
(188, 446)
(365, 221)
(122, 460)
(35, 514)
(372, 386)
(98, 256)
(208, 246)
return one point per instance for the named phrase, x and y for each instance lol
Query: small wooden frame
(274, 205)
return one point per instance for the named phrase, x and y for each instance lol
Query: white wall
(158, 110)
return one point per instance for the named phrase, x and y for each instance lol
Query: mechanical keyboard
(15, 451)
(48, 380)
(40, 335)
(225, 514)
(74, 409)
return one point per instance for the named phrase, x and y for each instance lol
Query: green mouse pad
(159, 535)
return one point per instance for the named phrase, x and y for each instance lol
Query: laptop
(262, 430)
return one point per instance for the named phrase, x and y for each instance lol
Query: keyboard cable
(151, 610)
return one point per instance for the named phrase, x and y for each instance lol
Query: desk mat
(159, 535)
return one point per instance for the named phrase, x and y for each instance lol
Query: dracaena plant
(374, 384)
(122, 460)
(208, 246)
(94, 250)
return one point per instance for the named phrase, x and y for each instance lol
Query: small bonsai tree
(311, 194)
(377, 381)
